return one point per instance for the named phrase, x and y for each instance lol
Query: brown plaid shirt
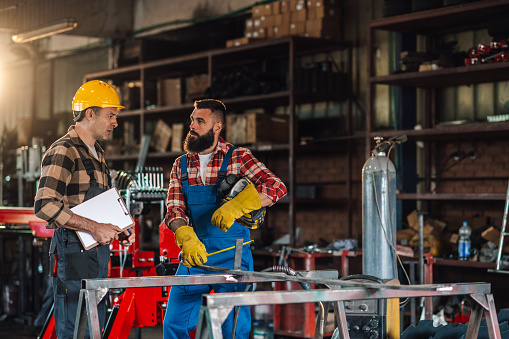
(64, 179)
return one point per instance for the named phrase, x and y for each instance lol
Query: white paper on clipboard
(108, 208)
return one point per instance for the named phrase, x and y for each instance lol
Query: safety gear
(193, 250)
(244, 202)
(95, 93)
(229, 188)
(184, 302)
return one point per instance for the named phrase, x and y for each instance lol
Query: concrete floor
(13, 328)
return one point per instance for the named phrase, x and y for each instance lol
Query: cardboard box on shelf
(170, 92)
(161, 138)
(260, 10)
(282, 19)
(492, 235)
(280, 31)
(404, 236)
(285, 6)
(257, 128)
(299, 16)
(276, 7)
(236, 128)
(266, 128)
(249, 25)
(196, 86)
(413, 220)
(177, 134)
(298, 28)
(297, 5)
(267, 21)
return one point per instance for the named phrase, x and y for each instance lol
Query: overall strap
(222, 171)
(87, 162)
(183, 171)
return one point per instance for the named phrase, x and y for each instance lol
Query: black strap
(89, 166)
(221, 174)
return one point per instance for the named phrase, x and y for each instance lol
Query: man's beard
(198, 143)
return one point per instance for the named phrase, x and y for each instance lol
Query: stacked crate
(310, 18)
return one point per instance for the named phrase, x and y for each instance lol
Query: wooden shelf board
(452, 132)
(447, 77)
(468, 16)
(450, 196)
(198, 62)
(464, 263)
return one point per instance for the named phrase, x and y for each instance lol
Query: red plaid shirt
(242, 163)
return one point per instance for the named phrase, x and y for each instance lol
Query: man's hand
(193, 250)
(246, 201)
(105, 234)
(126, 238)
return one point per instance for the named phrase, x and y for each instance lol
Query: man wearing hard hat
(72, 171)
(205, 224)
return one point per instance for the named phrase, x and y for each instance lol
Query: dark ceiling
(96, 18)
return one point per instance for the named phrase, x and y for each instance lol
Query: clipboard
(107, 207)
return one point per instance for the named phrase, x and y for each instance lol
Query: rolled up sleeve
(56, 174)
(265, 181)
(176, 207)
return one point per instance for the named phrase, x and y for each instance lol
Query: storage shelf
(463, 17)
(257, 149)
(447, 77)
(452, 132)
(428, 27)
(272, 99)
(315, 202)
(220, 58)
(286, 52)
(450, 196)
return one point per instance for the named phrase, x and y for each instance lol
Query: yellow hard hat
(95, 93)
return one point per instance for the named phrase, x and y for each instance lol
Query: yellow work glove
(193, 250)
(246, 201)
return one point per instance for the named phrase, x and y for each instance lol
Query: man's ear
(218, 127)
(89, 113)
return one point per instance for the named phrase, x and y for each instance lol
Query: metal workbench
(217, 306)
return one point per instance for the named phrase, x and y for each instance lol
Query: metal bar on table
(237, 262)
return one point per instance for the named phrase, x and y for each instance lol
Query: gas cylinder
(379, 214)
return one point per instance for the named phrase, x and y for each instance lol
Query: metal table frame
(217, 306)
(94, 290)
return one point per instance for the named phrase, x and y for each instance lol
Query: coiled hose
(289, 271)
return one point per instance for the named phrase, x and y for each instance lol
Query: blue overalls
(74, 264)
(184, 301)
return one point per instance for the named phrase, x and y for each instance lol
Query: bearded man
(202, 224)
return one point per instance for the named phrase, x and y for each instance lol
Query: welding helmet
(229, 188)
(95, 93)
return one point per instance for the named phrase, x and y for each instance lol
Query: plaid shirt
(64, 179)
(242, 163)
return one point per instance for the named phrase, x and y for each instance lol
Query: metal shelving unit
(430, 24)
(288, 49)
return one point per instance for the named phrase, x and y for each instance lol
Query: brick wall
(487, 172)
(323, 218)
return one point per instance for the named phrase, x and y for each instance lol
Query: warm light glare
(42, 32)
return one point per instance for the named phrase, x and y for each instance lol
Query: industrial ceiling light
(61, 26)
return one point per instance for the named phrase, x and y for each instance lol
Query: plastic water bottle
(464, 243)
